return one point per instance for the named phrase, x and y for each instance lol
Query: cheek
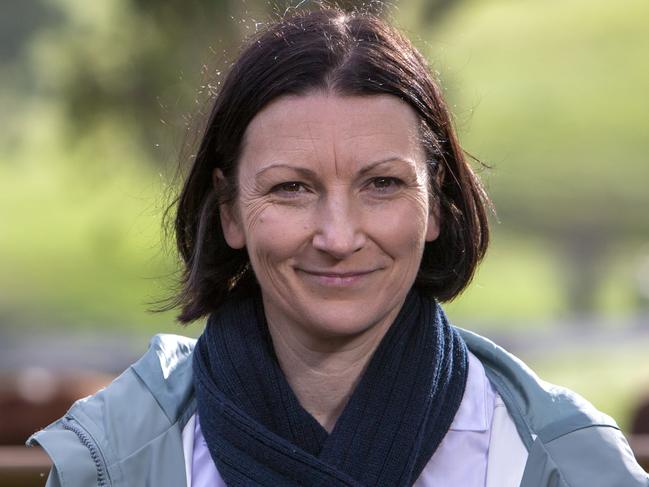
(273, 234)
(401, 228)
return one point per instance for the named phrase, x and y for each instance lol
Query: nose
(338, 228)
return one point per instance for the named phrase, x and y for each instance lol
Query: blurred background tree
(142, 62)
(553, 95)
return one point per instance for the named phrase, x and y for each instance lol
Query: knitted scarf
(258, 433)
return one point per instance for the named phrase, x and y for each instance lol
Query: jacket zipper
(69, 423)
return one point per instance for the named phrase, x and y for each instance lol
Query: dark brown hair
(345, 53)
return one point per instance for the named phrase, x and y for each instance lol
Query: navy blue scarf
(258, 433)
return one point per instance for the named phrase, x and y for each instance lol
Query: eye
(289, 188)
(384, 184)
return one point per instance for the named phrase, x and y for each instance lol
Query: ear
(434, 213)
(432, 231)
(230, 220)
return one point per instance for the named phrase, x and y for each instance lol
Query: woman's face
(333, 209)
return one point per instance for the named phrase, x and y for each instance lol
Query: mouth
(336, 279)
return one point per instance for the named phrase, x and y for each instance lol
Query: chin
(342, 320)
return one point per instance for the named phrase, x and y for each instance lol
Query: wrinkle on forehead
(336, 133)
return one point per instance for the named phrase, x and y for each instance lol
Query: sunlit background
(99, 100)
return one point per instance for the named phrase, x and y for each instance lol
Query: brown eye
(289, 187)
(382, 182)
(385, 184)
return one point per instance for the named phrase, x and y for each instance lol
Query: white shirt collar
(476, 409)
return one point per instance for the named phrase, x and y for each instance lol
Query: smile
(335, 279)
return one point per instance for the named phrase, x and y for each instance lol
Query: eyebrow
(303, 171)
(373, 165)
(308, 173)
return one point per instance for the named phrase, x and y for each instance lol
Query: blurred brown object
(640, 417)
(30, 399)
(640, 446)
(22, 466)
(639, 439)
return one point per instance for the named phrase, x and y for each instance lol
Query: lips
(336, 279)
(336, 274)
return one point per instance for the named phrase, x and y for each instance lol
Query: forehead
(325, 127)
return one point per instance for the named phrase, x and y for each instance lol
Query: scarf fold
(258, 433)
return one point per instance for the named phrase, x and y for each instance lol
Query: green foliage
(148, 64)
(80, 233)
(516, 282)
(553, 94)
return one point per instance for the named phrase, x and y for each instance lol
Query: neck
(324, 372)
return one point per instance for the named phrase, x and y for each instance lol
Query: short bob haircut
(346, 53)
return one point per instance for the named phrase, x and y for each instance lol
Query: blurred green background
(98, 99)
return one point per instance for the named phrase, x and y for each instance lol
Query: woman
(329, 208)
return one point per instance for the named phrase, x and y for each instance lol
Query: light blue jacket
(130, 434)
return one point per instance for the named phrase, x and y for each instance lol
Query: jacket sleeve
(596, 456)
(72, 464)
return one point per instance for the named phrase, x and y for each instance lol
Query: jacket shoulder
(594, 456)
(166, 372)
(539, 408)
(116, 432)
(570, 442)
